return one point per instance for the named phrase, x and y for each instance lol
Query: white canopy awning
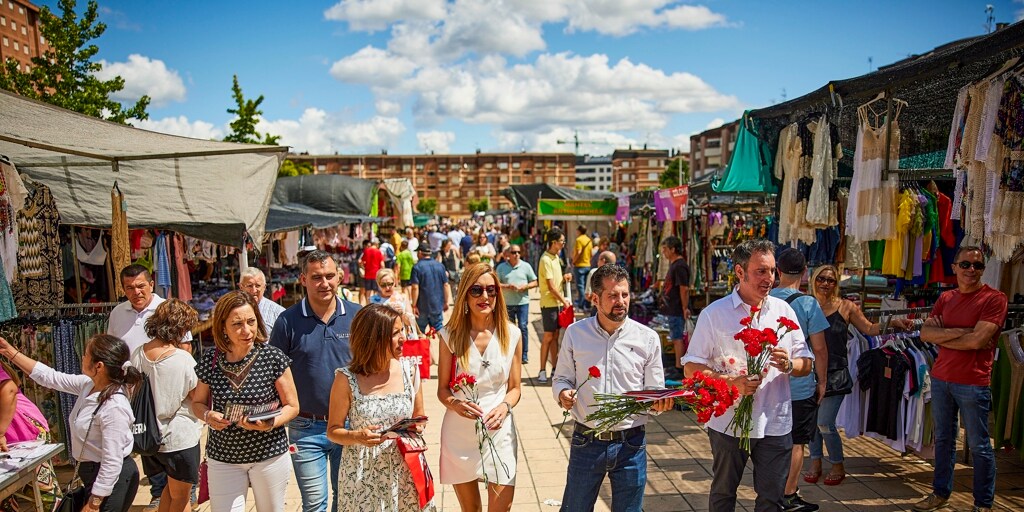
(218, 191)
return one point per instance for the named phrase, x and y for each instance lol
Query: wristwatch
(789, 368)
(96, 501)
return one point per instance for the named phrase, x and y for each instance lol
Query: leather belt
(313, 417)
(610, 436)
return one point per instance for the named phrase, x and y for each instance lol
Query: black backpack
(146, 429)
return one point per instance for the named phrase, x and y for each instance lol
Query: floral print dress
(376, 478)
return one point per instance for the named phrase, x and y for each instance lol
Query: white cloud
(181, 126)
(387, 108)
(715, 123)
(373, 66)
(371, 15)
(320, 132)
(144, 76)
(436, 141)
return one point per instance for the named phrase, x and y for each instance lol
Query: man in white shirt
(628, 355)
(254, 282)
(128, 322)
(714, 352)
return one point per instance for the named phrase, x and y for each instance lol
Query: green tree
(65, 74)
(428, 206)
(243, 128)
(292, 168)
(479, 205)
(670, 176)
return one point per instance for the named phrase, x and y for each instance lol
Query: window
(487, 179)
(431, 187)
(444, 206)
(488, 165)
(503, 179)
(470, 167)
(516, 165)
(24, 32)
(14, 25)
(442, 180)
(515, 179)
(321, 167)
(653, 162)
(456, 193)
(625, 165)
(652, 176)
(406, 167)
(456, 207)
(471, 180)
(455, 180)
(7, 42)
(25, 48)
(442, 166)
(430, 173)
(419, 167)
(444, 193)
(373, 167)
(502, 165)
(471, 193)
(3, 21)
(10, 5)
(21, 10)
(419, 180)
(565, 165)
(551, 165)
(17, 47)
(422, 194)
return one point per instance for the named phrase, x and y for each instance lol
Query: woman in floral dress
(375, 391)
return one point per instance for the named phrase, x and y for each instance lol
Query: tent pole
(78, 275)
(110, 267)
(888, 134)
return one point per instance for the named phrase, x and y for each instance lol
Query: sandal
(811, 478)
(833, 479)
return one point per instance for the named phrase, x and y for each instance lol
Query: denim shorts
(676, 327)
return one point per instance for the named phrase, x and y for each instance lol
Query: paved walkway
(679, 464)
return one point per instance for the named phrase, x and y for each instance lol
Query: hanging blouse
(40, 279)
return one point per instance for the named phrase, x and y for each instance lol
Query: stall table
(18, 468)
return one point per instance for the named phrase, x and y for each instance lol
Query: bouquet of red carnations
(706, 396)
(466, 383)
(758, 344)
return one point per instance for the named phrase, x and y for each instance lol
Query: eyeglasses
(978, 265)
(514, 252)
(825, 280)
(476, 290)
(387, 285)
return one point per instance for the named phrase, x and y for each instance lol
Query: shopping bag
(568, 314)
(417, 349)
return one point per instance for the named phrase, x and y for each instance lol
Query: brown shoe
(981, 509)
(931, 502)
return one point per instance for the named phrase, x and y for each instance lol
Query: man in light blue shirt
(805, 395)
(517, 277)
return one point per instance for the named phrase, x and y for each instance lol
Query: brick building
(20, 37)
(710, 150)
(454, 180)
(634, 170)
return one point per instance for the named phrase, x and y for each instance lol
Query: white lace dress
(375, 478)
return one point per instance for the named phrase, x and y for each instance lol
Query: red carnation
(769, 337)
(746, 321)
(788, 324)
(754, 310)
(595, 372)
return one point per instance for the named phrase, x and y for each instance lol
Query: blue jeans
(435, 321)
(973, 404)
(581, 286)
(625, 463)
(828, 409)
(157, 483)
(313, 454)
(519, 315)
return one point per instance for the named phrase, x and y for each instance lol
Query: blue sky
(411, 76)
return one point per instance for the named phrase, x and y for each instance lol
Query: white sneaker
(542, 376)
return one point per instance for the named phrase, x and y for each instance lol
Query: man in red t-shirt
(370, 262)
(965, 324)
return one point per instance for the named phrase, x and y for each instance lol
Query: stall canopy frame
(217, 191)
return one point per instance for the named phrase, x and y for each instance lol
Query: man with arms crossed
(965, 324)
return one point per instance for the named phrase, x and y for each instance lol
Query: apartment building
(637, 169)
(710, 150)
(594, 173)
(454, 180)
(20, 38)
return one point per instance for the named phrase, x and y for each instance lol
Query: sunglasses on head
(825, 280)
(476, 290)
(978, 265)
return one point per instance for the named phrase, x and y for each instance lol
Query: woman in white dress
(488, 347)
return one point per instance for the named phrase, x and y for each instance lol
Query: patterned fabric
(120, 250)
(1010, 127)
(163, 263)
(40, 280)
(376, 478)
(235, 445)
(66, 360)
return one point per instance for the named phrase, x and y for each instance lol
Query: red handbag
(566, 317)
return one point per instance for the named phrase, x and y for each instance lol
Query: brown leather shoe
(930, 503)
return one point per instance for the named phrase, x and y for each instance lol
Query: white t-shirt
(130, 325)
(171, 379)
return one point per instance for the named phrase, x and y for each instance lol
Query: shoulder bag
(839, 381)
(412, 447)
(75, 497)
(146, 429)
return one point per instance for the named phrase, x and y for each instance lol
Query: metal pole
(888, 134)
(78, 276)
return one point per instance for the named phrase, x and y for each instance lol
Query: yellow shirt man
(549, 268)
(582, 250)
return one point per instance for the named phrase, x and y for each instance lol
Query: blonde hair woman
(488, 347)
(387, 294)
(839, 312)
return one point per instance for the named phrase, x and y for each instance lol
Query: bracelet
(206, 415)
(789, 368)
(509, 407)
(16, 354)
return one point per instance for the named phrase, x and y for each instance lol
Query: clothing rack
(893, 312)
(77, 305)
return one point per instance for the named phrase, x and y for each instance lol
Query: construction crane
(576, 142)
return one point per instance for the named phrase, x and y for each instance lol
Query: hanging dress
(871, 212)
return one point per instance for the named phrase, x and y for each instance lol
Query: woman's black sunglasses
(477, 290)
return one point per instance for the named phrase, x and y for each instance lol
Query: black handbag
(146, 429)
(75, 495)
(839, 382)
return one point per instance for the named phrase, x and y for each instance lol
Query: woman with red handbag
(377, 390)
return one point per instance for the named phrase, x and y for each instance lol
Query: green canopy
(750, 166)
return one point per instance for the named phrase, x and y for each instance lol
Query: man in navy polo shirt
(431, 292)
(315, 334)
